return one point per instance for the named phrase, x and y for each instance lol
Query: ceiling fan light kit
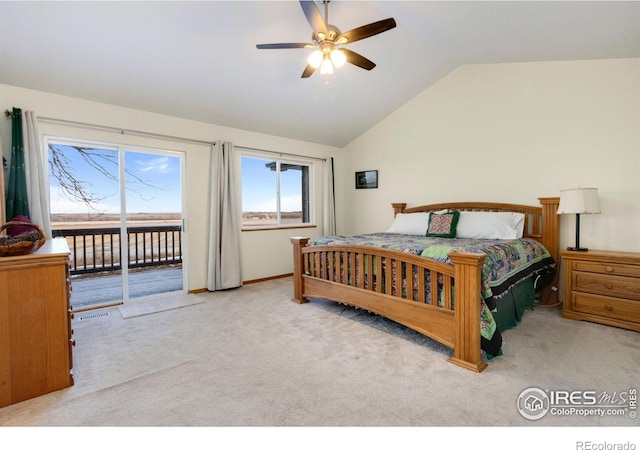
(327, 61)
(338, 58)
(327, 38)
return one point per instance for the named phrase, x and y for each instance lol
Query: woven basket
(24, 243)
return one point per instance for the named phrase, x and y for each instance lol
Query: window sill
(290, 227)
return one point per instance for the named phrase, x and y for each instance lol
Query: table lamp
(579, 201)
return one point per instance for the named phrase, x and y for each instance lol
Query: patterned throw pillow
(443, 225)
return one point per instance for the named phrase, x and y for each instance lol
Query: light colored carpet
(252, 357)
(165, 302)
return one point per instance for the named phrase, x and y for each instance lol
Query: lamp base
(577, 249)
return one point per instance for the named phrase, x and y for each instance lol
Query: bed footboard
(414, 291)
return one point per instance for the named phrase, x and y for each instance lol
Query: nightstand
(602, 287)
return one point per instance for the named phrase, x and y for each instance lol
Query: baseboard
(257, 280)
(198, 291)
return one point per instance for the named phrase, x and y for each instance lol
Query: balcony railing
(99, 250)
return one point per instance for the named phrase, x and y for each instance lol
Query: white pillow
(410, 223)
(490, 225)
(517, 220)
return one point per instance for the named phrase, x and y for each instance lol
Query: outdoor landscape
(94, 238)
(79, 220)
(257, 219)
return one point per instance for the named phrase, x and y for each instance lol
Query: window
(275, 193)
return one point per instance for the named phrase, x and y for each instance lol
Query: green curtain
(17, 203)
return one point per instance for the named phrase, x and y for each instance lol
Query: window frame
(279, 160)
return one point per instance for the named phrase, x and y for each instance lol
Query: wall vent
(94, 316)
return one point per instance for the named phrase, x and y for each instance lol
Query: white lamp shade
(338, 58)
(326, 67)
(579, 201)
(315, 59)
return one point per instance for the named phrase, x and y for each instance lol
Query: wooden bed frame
(318, 273)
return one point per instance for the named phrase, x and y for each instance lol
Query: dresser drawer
(610, 285)
(627, 310)
(607, 268)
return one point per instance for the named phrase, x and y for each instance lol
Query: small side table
(602, 286)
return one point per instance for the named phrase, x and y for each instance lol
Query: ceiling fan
(328, 41)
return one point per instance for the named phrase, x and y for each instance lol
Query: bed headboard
(540, 222)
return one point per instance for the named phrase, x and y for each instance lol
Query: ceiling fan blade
(284, 45)
(366, 31)
(312, 13)
(308, 71)
(357, 59)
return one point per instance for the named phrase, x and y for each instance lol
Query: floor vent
(94, 316)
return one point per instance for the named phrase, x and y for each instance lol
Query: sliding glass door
(153, 199)
(120, 210)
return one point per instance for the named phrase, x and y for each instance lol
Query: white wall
(264, 253)
(511, 133)
(499, 132)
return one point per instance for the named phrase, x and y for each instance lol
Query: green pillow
(443, 225)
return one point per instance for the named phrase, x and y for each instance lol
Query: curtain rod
(122, 130)
(156, 135)
(114, 129)
(279, 153)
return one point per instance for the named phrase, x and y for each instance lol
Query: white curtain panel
(36, 172)
(329, 208)
(224, 269)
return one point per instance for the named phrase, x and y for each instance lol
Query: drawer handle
(608, 307)
(72, 342)
(608, 269)
(608, 285)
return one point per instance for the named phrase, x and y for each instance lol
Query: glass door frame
(121, 150)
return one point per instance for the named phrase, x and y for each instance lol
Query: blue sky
(259, 187)
(158, 190)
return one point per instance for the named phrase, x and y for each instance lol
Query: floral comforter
(508, 262)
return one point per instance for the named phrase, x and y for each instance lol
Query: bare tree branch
(62, 169)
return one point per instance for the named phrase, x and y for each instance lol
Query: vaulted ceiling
(198, 60)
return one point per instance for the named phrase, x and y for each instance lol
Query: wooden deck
(92, 291)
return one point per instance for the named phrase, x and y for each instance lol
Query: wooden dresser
(35, 323)
(603, 287)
